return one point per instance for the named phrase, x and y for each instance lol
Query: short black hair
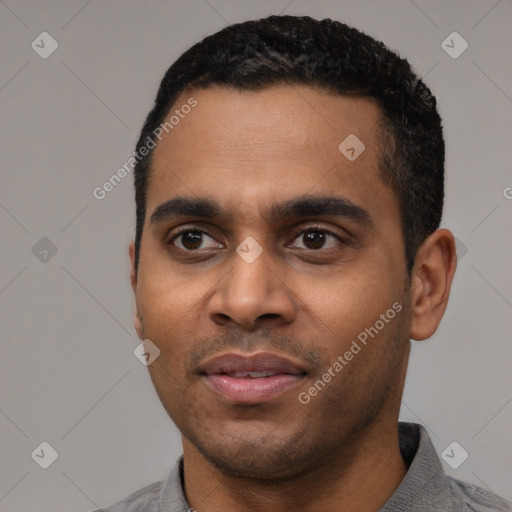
(328, 54)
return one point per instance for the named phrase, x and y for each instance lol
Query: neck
(363, 476)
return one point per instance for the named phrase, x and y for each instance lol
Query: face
(272, 278)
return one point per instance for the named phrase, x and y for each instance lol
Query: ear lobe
(433, 272)
(137, 323)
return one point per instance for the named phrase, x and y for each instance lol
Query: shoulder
(142, 500)
(477, 499)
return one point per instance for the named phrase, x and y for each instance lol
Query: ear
(137, 318)
(433, 272)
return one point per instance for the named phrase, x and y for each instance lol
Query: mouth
(251, 379)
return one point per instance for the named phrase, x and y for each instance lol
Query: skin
(247, 151)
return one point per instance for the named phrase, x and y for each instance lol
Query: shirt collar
(425, 477)
(172, 496)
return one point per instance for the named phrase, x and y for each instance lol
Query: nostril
(221, 318)
(269, 316)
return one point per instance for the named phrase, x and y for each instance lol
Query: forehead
(245, 147)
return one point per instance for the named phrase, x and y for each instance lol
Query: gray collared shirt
(425, 488)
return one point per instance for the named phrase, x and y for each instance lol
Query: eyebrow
(312, 206)
(184, 207)
(299, 207)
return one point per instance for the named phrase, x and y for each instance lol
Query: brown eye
(193, 240)
(316, 239)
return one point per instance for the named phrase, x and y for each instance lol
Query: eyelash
(327, 231)
(296, 234)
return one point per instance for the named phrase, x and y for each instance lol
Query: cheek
(169, 319)
(165, 298)
(348, 302)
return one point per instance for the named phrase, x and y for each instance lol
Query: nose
(252, 295)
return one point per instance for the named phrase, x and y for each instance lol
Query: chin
(258, 453)
(253, 462)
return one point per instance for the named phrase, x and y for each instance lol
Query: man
(289, 190)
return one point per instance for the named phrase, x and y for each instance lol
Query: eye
(193, 240)
(315, 239)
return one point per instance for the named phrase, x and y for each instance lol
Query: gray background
(68, 375)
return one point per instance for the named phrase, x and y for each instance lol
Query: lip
(251, 379)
